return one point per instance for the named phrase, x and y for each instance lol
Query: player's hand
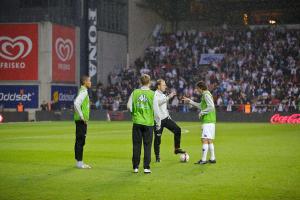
(82, 119)
(200, 115)
(172, 95)
(186, 100)
(157, 127)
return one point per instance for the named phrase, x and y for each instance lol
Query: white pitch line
(185, 130)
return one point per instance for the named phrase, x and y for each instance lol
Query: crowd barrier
(14, 116)
(102, 115)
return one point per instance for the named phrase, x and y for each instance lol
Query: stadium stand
(260, 66)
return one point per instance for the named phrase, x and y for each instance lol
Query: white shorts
(208, 131)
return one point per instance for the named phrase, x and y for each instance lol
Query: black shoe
(177, 151)
(157, 159)
(200, 162)
(212, 161)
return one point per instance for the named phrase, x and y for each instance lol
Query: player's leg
(79, 142)
(147, 141)
(204, 151)
(176, 130)
(211, 144)
(157, 142)
(81, 129)
(205, 137)
(212, 151)
(137, 145)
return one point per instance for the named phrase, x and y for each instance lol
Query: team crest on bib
(143, 98)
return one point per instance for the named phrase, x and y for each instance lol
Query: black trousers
(141, 133)
(173, 127)
(81, 128)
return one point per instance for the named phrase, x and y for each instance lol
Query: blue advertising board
(11, 95)
(63, 96)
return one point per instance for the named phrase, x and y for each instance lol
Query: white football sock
(79, 163)
(212, 151)
(204, 151)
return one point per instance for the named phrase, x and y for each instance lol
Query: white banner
(92, 48)
(209, 58)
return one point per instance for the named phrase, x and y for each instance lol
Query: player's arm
(210, 105)
(164, 100)
(190, 101)
(129, 103)
(157, 114)
(78, 102)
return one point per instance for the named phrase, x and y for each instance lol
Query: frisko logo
(15, 48)
(19, 52)
(292, 119)
(64, 49)
(92, 48)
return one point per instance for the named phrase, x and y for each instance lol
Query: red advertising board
(63, 54)
(18, 51)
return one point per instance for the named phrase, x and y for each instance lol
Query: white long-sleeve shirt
(155, 104)
(162, 101)
(209, 102)
(78, 101)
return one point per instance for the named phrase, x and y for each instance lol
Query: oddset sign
(63, 54)
(18, 51)
(291, 119)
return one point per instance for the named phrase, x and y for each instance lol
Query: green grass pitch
(254, 161)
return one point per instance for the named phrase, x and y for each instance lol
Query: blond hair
(159, 81)
(145, 79)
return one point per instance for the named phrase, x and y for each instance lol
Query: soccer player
(142, 107)
(163, 120)
(81, 117)
(208, 117)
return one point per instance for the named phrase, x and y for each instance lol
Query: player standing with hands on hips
(208, 117)
(163, 120)
(81, 117)
(143, 108)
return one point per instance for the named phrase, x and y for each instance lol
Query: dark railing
(65, 16)
(186, 108)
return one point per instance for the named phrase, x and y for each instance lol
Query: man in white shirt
(81, 117)
(163, 120)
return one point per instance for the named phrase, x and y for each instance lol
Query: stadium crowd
(260, 67)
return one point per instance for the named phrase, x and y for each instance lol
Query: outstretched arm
(193, 103)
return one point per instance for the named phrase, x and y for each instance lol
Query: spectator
(20, 107)
(44, 106)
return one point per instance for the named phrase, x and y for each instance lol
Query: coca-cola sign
(291, 119)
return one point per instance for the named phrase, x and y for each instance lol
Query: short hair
(83, 79)
(145, 79)
(201, 85)
(159, 81)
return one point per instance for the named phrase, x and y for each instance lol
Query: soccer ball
(184, 157)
